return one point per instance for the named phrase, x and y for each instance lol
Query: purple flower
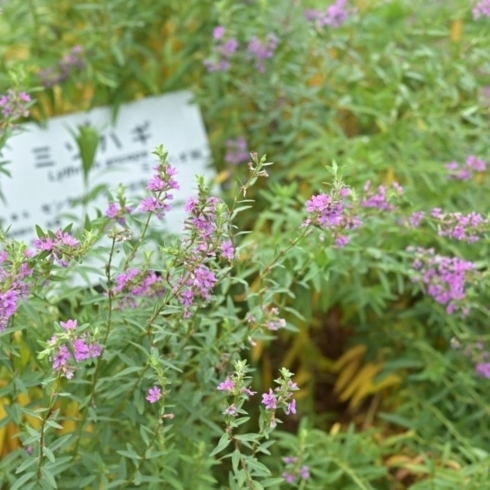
(114, 211)
(61, 357)
(69, 324)
(236, 151)
(228, 48)
(262, 50)
(13, 104)
(94, 350)
(459, 226)
(476, 164)
(218, 32)
(415, 219)
(481, 9)
(53, 75)
(204, 280)
(60, 247)
(154, 394)
(444, 278)
(466, 171)
(227, 250)
(304, 472)
(289, 477)
(291, 408)
(333, 16)
(290, 459)
(8, 302)
(248, 392)
(160, 184)
(231, 410)
(269, 400)
(226, 385)
(377, 200)
(156, 184)
(223, 50)
(341, 241)
(80, 350)
(324, 211)
(151, 204)
(483, 369)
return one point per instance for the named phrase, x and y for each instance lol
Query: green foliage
(393, 95)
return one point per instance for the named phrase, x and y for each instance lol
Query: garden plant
(320, 322)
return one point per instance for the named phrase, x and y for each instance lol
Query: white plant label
(46, 169)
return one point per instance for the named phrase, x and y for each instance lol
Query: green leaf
(22, 480)
(222, 444)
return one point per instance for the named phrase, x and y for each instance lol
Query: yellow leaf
(371, 388)
(302, 377)
(257, 350)
(353, 352)
(71, 414)
(23, 400)
(456, 29)
(335, 429)
(266, 371)
(363, 377)
(3, 430)
(222, 177)
(12, 439)
(296, 349)
(346, 375)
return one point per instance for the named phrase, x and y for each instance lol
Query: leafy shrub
(392, 265)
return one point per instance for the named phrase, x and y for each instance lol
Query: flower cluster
(223, 51)
(416, 218)
(481, 9)
(61, 71)
(116, 212)
(13, 104)
(328, 212)
(443, 278)
(68, 348)
(281, 396)
(477, 353)
(237, 386)
(160, 186)
(379, 199)
(193, 286)
(236, 151)
(60, 245)
(294, 470)
(207, 217)
(266, 318)
(333, 16)
(466, 171)
(12, 286)
(459, 226)
(259, 51)
(136, 283)
(325, 211)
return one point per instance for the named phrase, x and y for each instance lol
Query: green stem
(43, 429)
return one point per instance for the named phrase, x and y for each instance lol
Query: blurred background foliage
(392, 95)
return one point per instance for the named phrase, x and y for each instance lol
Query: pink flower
(154, 394)
(69, 325)
(226, 385)
(291, 407)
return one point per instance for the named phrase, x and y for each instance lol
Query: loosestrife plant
(135, 364)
